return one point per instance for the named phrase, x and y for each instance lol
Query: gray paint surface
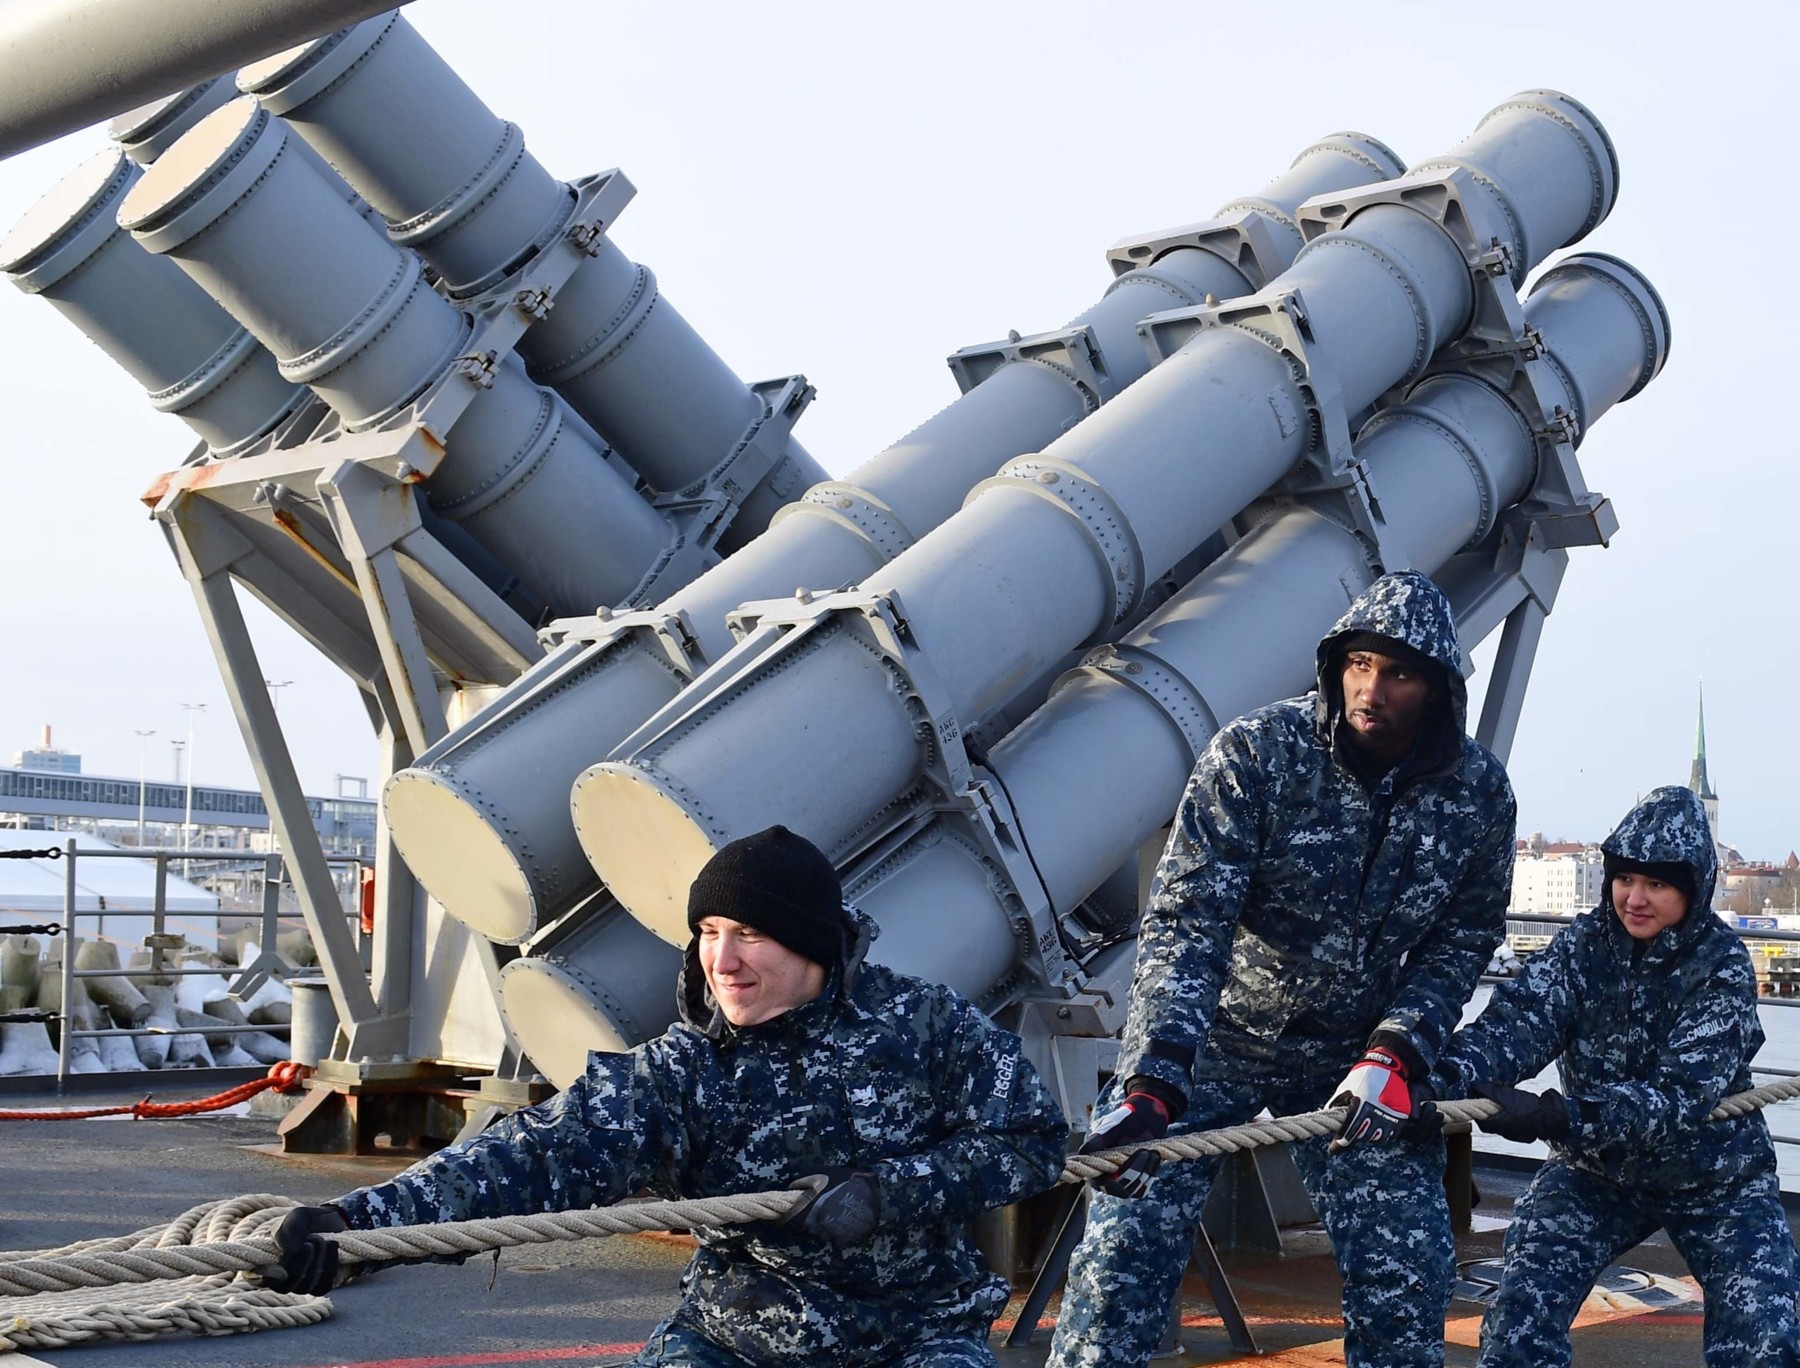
(66, 63)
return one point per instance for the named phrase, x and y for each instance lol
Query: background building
(1554, 879)
(222, 818)
(203, 818)
(45, 756)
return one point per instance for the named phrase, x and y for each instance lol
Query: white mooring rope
(196, 1273)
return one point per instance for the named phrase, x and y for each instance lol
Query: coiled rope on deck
(47, 1297)
(196, 1274)
(213, 1303)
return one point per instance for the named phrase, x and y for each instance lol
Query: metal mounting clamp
(672, 633)
(500, 313)
(1242, 241)
(1474, 215)
(1560, 510)
(1277, 318)
(1075, 352)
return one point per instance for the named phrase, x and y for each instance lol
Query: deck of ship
(592, 1303)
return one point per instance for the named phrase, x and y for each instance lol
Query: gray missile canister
(151, 129)
(482, 819)
(194, 360)
(458, 185)
(1096, 771)
(1057, 550)
(351, 315)
(600, 981)
(455, 183)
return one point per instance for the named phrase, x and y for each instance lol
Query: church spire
(1697, 780)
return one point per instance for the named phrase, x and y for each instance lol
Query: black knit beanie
(781, 884)
(1675, 873)
(1394, 649)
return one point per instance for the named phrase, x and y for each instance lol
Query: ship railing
(166, 946)
(1777, 966)
(1753, 938)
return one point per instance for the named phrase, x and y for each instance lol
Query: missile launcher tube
(948, 876)
(1055, 551)
(1530, 130)
(922, 480)
(152, 129)
(482, 819)
(351, 316)
(347, 313)
(193, 358)
(457, 184)
(608, 984)
(1101, 766)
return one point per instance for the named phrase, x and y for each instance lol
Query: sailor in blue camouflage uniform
(1649, 1000)
(1334, 884)
(794, 1058)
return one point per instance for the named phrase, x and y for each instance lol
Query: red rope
(286, 1076)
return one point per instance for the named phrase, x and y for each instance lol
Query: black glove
(1384, 1100)
(309, 1263)
(1426, 1120)
(844, 1207)
(1524, 1116)
(1143, 1115)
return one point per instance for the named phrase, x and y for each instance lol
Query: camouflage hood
(1404, 606)
(1669, 827)
(695, 1001)
(1648, 1035)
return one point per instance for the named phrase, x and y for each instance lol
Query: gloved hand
(1426, 1120)
(1524, 1116)
(1141, 1116)
(309, 1263)
(1383, 1104)
(844, 1207)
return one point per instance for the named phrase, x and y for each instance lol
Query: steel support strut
(207, 550)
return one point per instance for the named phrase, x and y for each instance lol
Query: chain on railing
(271, 962)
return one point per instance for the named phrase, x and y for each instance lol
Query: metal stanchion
(63, 1044)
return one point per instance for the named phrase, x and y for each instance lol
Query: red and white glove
(1141, 1116)
(1379, 1099)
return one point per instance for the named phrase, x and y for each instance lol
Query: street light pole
(143, 741)
(187, 815)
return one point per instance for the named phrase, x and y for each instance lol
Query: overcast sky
(853, 192)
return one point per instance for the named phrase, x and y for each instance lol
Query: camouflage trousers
(672, 1345)
(1570, 1225)
(1382, 1205)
